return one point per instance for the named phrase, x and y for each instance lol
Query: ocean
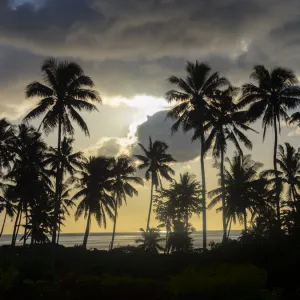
(102, 240)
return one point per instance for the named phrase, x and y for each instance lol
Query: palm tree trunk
(245, 220)
(223, 196)
(203, 189)
(150, 208)
(115, 225)
(2, 229)
(18, 228)
(276, 172)
(13, 240)
(229, 228)
(87, 231)
(57, 184)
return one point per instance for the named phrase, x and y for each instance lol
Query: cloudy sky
(129, 48)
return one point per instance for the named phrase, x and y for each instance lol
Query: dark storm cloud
(159, 128)
(131, 46)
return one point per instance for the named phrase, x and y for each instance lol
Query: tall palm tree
(65, 91)
(29, 175)
(193, 109)
(123, 170)
(66, 162)
(226, 123)
(94, 185)
(242, 183)
(150, 240)
(271, 97)
(66, 204)
(7, 144)
(155, 160)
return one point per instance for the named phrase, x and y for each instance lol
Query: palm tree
(273, 95)
(180, 239)
(242, 189)
(29, 176)
(155, 160)
(66, 91)
(123, 170)
(225, 124)
(165, 211)
(66, 204)
(94, 185)
(7, 144)
(289, 163)
(193, 109)
(150, 240)
(186, 201)
(66, 162)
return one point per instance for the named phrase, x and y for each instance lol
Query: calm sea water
(102, 240)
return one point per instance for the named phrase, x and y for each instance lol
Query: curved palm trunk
(276, 172)
(18, 228)
(223, 197)
(150, 208)
(13, 240)
(3, 224)
(57, 184)
(87, 231)
(229, 228)
(203, 190)
(115, 225)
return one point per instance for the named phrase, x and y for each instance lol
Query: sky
(130, 48)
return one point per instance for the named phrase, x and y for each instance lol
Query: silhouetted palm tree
(242, 183)
(123, 170)
(29, 175)
(7, 144)
(155, 160)
(94, 185)
(66, 204)
(186, 201)
(193, 109)
(179, 239)
(150, 240)
(165, 211)
(66, 162)
(289, 163)
(66, 91)
(271, 97)
(226, 123)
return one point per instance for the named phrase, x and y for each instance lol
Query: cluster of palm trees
(219, 113)
(37, 180)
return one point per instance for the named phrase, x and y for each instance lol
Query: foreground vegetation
(231, 271)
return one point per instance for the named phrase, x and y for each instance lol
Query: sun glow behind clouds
(146, 107)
